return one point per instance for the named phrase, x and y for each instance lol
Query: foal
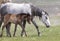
(16, 19)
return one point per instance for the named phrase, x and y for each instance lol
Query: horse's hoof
(13, 35)
(26, 35)
(10, 36)
(39, 34)
(21, 35)
(1, 35)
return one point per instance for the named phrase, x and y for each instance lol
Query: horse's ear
(46, 13)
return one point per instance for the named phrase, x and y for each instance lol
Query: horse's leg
(0, 23)
(24, 23)
(36, 27)
(15, 29)
(23, 31)
(8, 29)
(2, 26)
(1, 20)
(23, 27)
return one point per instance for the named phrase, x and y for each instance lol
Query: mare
(33, 11)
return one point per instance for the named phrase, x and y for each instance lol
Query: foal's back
(16, 18)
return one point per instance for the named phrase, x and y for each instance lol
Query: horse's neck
(36, 11)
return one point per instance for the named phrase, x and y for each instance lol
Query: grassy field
(47, 34)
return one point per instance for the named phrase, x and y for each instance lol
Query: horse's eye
(46, 17)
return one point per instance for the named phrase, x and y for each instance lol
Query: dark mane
(36, 11)
(46, 13)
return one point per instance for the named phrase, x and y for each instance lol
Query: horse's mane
(42, 10)
(46, 12)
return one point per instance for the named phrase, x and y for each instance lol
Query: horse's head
(45, 18)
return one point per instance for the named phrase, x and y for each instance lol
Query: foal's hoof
(26, 35)
(8, 35)
(13, 35)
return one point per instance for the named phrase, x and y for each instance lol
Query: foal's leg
(2, 30)
(6, 18)
(15, 29)
(8, 29)
(36, 27)
(23, 28)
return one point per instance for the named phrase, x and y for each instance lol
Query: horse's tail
(1, 15)
(0, 21)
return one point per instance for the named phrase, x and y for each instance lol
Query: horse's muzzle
(47, 26)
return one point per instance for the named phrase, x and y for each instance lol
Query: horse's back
(16, 8)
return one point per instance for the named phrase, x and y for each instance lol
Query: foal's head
(25, 17)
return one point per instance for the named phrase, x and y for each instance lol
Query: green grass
(48, 34)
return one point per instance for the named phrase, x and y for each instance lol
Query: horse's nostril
(47, 26)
